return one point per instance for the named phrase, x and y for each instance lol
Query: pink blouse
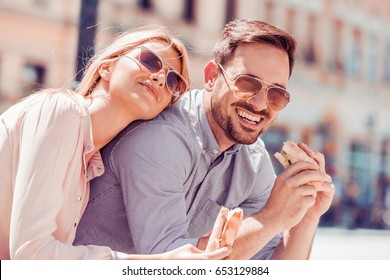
(44, 178)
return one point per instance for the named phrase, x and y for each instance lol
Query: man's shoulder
(178, 117)
(185, 110)
(170, 124)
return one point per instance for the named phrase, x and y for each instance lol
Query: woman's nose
(158, 78)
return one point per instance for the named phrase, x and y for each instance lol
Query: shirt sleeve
(261, 191)
(262, 186)
(151, 163)
(49, 132)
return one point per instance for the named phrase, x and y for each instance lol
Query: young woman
(50, 141)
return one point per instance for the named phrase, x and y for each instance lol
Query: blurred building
(38, 45)
(340, 85)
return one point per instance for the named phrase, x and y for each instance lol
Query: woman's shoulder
(51, 105)
(65, 100)
(57, 101)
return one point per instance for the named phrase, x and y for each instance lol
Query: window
(336, 61)
(373, 60)
(382, 180)
(41, 3)
(310, 53)
(384, 156)
(269, 11)
(355, 55)
(189, 10)
(290, 20)
(387, 64)
(145, 4)
(359, 164)
(33, 77)
(230, 10)
(1, 80)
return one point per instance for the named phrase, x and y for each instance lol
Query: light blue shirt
(166, 179)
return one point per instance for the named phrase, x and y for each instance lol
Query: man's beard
(242, 138)
(247, 135)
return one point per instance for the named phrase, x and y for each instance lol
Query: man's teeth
(248, 116)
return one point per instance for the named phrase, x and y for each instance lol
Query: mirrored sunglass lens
(246, 87)
(175, 83)
(150, 61)
(277, 98)
(172, 81)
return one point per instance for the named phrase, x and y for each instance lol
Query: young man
(166, 179)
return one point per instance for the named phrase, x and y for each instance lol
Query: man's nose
(259, 101)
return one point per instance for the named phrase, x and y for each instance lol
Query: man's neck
(223, 141)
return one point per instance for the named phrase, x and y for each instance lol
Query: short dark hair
(238, 32)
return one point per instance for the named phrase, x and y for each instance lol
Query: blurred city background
(340, 85)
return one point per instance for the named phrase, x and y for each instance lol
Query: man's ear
(105, 70)
(210, 74)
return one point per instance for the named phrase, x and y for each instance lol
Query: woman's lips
(150, 89)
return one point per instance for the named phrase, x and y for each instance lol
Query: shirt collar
(95, 166)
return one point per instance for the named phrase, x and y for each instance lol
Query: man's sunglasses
(245, 87)
(175, 83)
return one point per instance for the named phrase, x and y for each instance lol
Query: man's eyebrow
(280, 85)
(275, 84)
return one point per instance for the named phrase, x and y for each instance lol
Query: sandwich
(291, 153)
(225, 228)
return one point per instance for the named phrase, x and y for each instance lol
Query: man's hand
(298, 238)
(325, 191)
(292, 196)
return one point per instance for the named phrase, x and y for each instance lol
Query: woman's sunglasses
(245, 86)
(175, 83)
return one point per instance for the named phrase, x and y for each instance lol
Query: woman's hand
(190, 252)
(186, 252)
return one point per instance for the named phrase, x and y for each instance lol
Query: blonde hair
(124, 43)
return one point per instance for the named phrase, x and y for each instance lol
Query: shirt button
(203, 152)
(79, 198)
(215, 151)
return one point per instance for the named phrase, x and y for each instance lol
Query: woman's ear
(210, 74)
(105, 70)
